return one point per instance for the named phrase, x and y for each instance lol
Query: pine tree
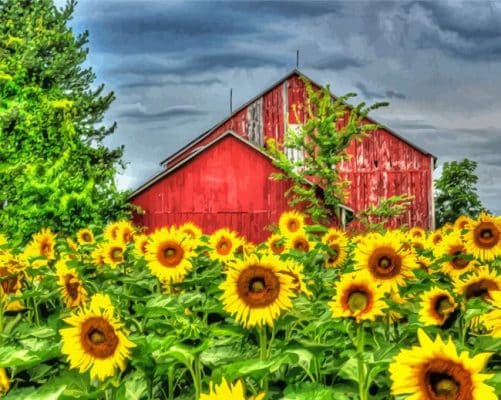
(456, 193)
(54, 169)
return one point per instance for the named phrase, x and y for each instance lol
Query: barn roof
(194, 154)
(294, 72)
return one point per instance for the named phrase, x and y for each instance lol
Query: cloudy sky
(172, 64)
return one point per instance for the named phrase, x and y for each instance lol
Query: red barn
(221, 178)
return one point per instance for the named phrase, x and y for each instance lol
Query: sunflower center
(98, 337)
(114, 233)
(170, 254)
(45, 249)
(144, 247)
(301, 244)
(276, 247)
(87, 237)
(223, 247)
(127, 237)
(458, 261)
(385, 263)
(71, 286)
(9, 284)
(357, 301)
(437, 239)
(444, 386)
(116, 254)
(482, 289)
(486, 235)
(293, 225)
(443, 306)
(444, 379)
(258, 286)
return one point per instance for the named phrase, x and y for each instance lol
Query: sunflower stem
(198, 377)
(360, 361)
(170, 382)
(263, 354)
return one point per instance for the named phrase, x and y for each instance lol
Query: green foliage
(456, 193)
(54, 169)
(375, 217)
(323, 139)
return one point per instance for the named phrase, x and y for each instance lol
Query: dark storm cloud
(337, 63)
(471, 31)
(173, 82)
(373, 95)
(139, 113)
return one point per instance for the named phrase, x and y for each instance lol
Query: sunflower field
(312, 313)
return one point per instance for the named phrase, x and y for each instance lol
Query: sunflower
(193, 231)
(291, 222)
(125, 232)
(357, 296)
(224, 244)
(483, 238)
(435, 371)
(113, 253)
(437, 305)
(4, 381)
(71, 287)
(492, 320)
(276, 243)
(96, 339)
(295, 271)
(42, 245)
(168, 255)
(97, 255)
(389, 263)
(298, 241)
(10, 284)
(227, 391)
(337, 242)
(462, 222)
(436, 238)
(85, 236)
(479, 284)
(111, 231)
(141, 243)
(255, 291)
(417, 232)
(458, 261)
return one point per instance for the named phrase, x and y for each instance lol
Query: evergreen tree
(54, 169)
(455, 192)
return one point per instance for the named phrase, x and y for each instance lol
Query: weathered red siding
(226, 185)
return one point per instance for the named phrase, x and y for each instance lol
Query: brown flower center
(98, 338)
(116, 254)
(127, 237)
(71, 284)
(258, 286)
(301, 244)
(357, 301)
(144, 247)
(223, 247)
(446, 380)
(385, 263)
(334, 252)
(437, 238)
(114, 233)
(481, 288)
(458, 260)
(170, 254)
(45, 249)
(8, 284)
(277, 247)
(442, 307)
(293, 225)
(87, 237)
(486, 235)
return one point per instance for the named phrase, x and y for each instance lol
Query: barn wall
(226, 185)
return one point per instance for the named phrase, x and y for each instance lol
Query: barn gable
(227, 184)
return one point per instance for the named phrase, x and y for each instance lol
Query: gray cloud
(337, 63)
(139, 112)
(373, 95)
(177, 82)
